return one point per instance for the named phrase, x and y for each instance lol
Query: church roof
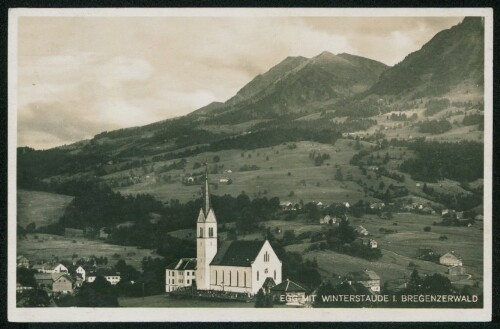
(288, 286)
(237, 253)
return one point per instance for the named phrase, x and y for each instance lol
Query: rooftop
(288, 286)
(237, 253)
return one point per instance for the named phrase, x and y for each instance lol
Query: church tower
(206, 241)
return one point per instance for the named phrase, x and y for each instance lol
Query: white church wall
(266, 265)
(231, 278)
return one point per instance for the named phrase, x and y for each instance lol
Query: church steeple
(206, 194)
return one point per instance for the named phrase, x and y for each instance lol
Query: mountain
(451, 58)
(298, 84)
(280, 114)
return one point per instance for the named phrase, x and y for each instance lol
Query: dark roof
(268, 283)
(187, 264)
(184, 264)
(237, 253)
(288, 286)
(103, 271)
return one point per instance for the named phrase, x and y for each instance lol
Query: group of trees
(434, 126)
(461, 161)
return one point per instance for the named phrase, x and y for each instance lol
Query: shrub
(427, 229)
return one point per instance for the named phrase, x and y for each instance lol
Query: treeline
(461, 161)
(98, 206)
(434, 126)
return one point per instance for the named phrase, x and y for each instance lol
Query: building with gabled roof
(289, 292)
(367, 278)
(180, 274)
(234, 266)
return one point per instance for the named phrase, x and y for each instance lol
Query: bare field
(46, 246)
(41, 208)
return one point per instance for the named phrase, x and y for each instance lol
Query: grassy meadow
(37, 247)
(41, 208)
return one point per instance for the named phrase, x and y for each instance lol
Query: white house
(110, 276)
(180, 274)
(450, 259)
(367, 278)
(235, 266)
(327, 220)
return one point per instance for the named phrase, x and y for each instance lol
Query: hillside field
(45, 246)
(41, 208)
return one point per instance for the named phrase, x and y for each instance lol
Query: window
(266, 257)
(257, 275)
(201, 232)
(266, 270)
(215, 276)
(274, 274)
(230, 278)
(245, 278)
(237, 278)
(210, 231)
(187, 281)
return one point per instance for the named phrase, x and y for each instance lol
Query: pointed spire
(206, 192)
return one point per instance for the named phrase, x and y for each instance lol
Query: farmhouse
(367, 278)
(423, 252)
(22, 261)
(328, 220)
(234, 266)
(450, 259)
(362, 231)
(286, 205)
(110, 276)
(62, 283)
(371, 243)
(456, 270)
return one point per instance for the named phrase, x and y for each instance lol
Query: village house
(328, 220)
(62, 283)
(456, 270)
(367, 278)
(54, 282)
(371, 243)
(377, 206)
(234, 266)
(362, 231)
(104, 233)
(224, 181)
(180, 274)
(50, 268)
(110, 276)
(82, 271)
(22, 261)
(287, 205)
(44, 280)
(289, 292)
(450, 259)
(424, 252)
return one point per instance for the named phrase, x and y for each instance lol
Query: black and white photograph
(250, 164)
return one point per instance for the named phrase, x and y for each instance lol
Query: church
(234, 266)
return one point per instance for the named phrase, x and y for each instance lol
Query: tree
(262, 300)
(99, 293)
(338, 175)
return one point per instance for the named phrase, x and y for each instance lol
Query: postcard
(257, 164)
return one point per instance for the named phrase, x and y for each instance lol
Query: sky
(79, 76)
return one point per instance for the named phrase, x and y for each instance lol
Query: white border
(250, 315)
